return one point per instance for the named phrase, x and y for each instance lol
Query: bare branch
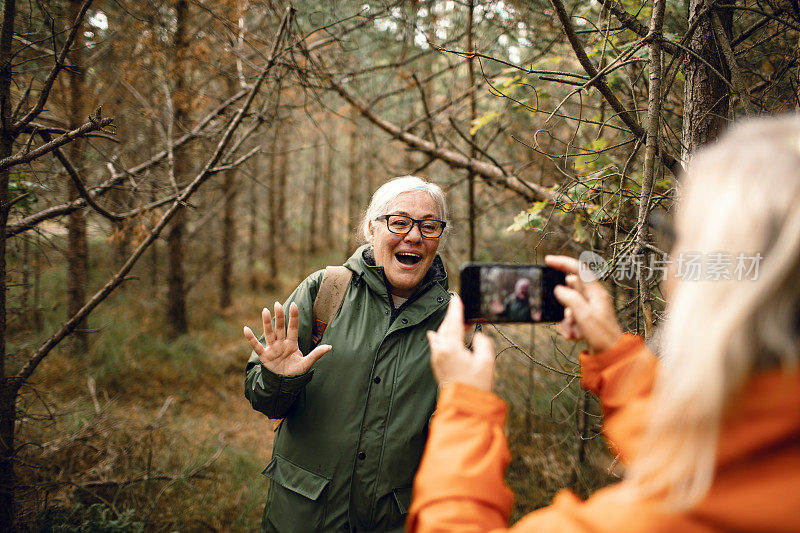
(44, 94)
(602, 86)
(76, 179)
(32, 221)
(95, 123)
(633, 24)
(530, 191)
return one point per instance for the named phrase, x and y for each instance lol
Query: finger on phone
(483, 348)
(452, 327)
(563, 263)
(572, 299)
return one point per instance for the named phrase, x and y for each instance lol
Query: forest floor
(145, 431)
(144, 423)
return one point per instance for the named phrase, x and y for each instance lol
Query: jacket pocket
(403, 499)
(295, 478)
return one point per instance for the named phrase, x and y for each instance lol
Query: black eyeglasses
(402, 225)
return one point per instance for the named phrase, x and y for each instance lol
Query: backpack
(330, 297)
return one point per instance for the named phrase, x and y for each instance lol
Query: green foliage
(530, 219)
(483, 120)
(579, 235)
(97, 518)
(22, 191)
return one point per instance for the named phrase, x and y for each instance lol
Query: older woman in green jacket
(355, 425)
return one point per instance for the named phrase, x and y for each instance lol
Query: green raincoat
(355, 425)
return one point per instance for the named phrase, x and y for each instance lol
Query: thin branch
(530, 191)
(602, 86)
(76, 179)
(95, 123)
(32, 221)
(633, 24)
(428, 120)
(44, 94)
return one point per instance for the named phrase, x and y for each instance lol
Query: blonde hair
(739, 196)
(393, 188)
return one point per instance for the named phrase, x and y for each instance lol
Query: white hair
(740, 196)
(393, 188)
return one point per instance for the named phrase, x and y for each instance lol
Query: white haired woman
(710, 431)
(352, 437)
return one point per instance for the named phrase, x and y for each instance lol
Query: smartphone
(500, 292)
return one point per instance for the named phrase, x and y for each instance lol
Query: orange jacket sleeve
(622, 377)
(459, 486)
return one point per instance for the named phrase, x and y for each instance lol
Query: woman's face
(416, 253)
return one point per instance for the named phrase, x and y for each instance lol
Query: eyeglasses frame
(413, 221)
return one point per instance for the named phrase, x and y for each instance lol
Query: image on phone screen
(511, 295)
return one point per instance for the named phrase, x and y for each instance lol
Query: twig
(44, 93)
(603, 87)
(117, 176)
(76, 179)
(95, 123)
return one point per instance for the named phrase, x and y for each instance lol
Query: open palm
(280, 352)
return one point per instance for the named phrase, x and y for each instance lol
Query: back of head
(738, 209)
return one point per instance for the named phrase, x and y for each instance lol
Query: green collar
(362, 263)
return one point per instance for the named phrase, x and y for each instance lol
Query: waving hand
(280, 352)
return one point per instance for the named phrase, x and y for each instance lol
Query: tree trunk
(706, 95)
(37, 286)
(25, 304)
(283, 175)
(8, 413)
(472, 213)
(176, 277)
(176, 290)
(153, 258)
(327, 199)
(352, 188)
(229, 190)
(313, 202)
(251, 235)
(272, 230)
(77, 245)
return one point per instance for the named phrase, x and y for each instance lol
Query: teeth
(408, 258)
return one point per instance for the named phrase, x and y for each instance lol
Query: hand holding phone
(590, 313)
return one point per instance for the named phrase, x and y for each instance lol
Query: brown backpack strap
(329, 298)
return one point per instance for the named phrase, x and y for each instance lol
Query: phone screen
(497, 292)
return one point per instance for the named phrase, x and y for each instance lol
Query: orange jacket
(459, 486)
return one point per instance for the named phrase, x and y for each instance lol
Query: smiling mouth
(407, 258)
